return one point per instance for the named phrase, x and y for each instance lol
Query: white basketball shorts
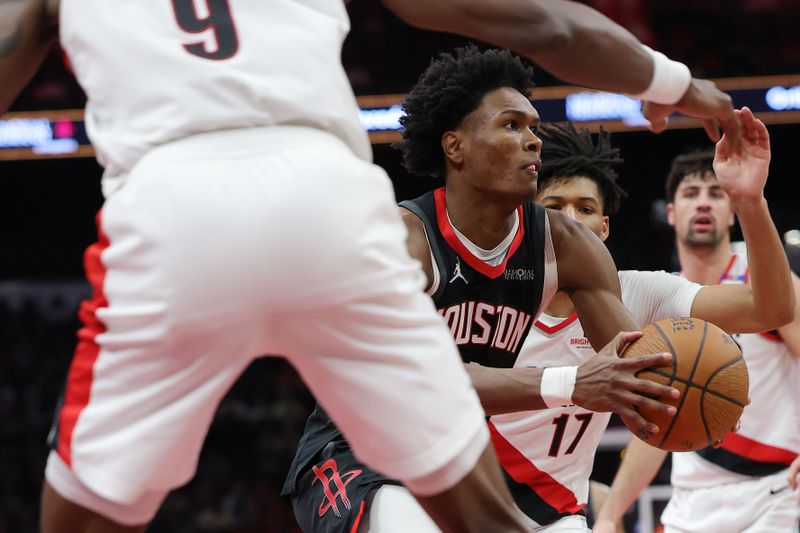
(225, 246)
(759, 505)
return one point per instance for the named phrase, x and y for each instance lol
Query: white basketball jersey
(554, 448)
(769, 437)
(158, 70)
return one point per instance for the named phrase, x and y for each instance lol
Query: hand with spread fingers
(743, 173)
(608, 383)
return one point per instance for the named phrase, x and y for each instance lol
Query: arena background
(48, 204)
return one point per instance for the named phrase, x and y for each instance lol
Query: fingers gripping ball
(709, 371)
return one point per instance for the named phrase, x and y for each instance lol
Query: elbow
(788, 316)
(778, 317)
(788, 312)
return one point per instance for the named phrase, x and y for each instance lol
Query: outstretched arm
(27, 30)
(639, 466)
(581, 46)
(790, 333)
(769, 300)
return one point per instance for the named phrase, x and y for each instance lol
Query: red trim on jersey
(558, 327)
(354, 529)
(724, 275)
(522, 470)
(452, 239)
(772, 336)
(757, 451)
(81, 371)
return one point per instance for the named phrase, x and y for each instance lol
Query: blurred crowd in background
(716, 38)
(245, 458)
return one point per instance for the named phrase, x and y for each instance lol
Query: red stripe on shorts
(81, 371)
(757, 451)
(357, 521)
(522, 470)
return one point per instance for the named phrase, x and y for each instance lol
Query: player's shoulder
(409, 217)
(565, 231)
(414, 225)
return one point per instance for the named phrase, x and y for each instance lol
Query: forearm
(507, 390)
(639, 466)
(770, 276)
(568, 39)
(790, 333)
(27, 30)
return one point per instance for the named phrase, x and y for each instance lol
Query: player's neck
(560, 306)
(704, 265)
(483, 222)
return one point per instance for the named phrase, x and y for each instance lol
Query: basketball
(709, 371)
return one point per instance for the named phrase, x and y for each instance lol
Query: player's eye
(511, 125)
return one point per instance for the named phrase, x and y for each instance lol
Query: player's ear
(453, 148)
(671, 213)
(605, 230)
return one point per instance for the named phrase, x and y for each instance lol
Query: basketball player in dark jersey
(102, 475)
(489, 254)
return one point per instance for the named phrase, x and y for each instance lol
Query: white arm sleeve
(651, 296)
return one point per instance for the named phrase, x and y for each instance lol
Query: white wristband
(557, 385)
(670, 80)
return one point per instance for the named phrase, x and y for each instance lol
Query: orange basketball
(709, 371)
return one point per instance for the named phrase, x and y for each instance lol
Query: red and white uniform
(728, 488)
(156, 71)
(552, 450)
(242, 218)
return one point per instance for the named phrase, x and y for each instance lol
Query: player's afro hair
(567, 152)
(452, 87)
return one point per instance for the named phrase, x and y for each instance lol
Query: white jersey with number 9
(159, 70)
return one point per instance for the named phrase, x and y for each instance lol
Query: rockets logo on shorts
(339, 481)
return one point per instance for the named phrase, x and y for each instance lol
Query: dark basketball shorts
(334, 492)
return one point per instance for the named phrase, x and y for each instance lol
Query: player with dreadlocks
(548, 454)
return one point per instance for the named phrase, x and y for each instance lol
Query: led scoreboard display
(774, 99)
